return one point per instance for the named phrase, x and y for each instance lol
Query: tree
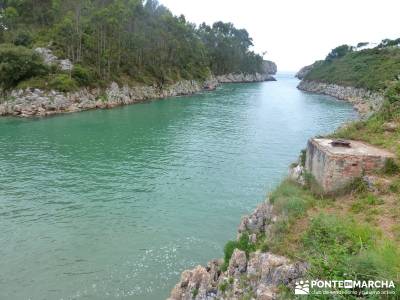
(339, 52)
(18, 63)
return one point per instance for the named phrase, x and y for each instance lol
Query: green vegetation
(374, 69)
(242, 244)
(355, 234)
(18, 63)
(63, 83)
(390, 167)
(341, 248)
(127, 41)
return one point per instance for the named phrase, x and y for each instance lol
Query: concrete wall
(334, 171)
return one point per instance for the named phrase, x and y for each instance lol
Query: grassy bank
(353, 236)
(372, 69)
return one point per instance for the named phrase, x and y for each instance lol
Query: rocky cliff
(302, 73)
(36, 102)
(364, 101)
(254, 275)
(269, 67)
(241, 77)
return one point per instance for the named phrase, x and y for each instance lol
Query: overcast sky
(298, 32)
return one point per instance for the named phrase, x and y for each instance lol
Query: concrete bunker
(336, 163)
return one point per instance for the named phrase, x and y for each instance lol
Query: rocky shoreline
(255, 276)
(36, 102)
(364, 101)
(260, 274)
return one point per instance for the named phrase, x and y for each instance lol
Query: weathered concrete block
(334, 167)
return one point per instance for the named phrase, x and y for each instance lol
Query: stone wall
(333, 168)
(363, 100)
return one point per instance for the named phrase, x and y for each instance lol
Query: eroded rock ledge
(364, 101)
(36, 102)
(256, 276)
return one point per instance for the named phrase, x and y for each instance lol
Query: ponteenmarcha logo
(356, 287)
(302, 288)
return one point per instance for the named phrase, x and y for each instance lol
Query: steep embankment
(360, 77)
(364, 101)
(29, 102)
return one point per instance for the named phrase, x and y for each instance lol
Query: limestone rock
(241, 77)
(296, 174)
(36, 102)
(258, 220)
(269, 67)
(193, 285)
(50, 59)
(364, 101)
(47, 55)
(237, 263)
(390, 126)
(376, 184)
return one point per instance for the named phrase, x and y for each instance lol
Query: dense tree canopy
(127, 39)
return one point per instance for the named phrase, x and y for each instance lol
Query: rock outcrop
(269, 67)
(50, 59)
(364, 101)
(254, 276)
(36, 102)
(241, 77)
(303, 72)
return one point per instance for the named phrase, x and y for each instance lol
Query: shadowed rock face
(269, 67)
(241, 77)
(257, 275)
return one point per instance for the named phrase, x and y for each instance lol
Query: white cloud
(298, 32)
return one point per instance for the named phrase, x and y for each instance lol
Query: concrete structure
(335, 165)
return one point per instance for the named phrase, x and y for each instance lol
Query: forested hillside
(122, 40)
(373, 69)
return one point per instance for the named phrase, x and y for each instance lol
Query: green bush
(23, 38)
(371, 69)
(393, 92)
(82, 75)
(242, 244)
(63, 83)
(390, 167)
(34, 82)
(18, 63)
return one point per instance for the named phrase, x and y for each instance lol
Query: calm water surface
(113, 204)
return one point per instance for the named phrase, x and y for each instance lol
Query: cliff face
(248, 276)
(257, 77)
(364, 101)
(36, 102)
(302, 73)
(26, 103)
(269, 67)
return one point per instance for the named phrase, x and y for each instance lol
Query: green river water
(114, 204)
